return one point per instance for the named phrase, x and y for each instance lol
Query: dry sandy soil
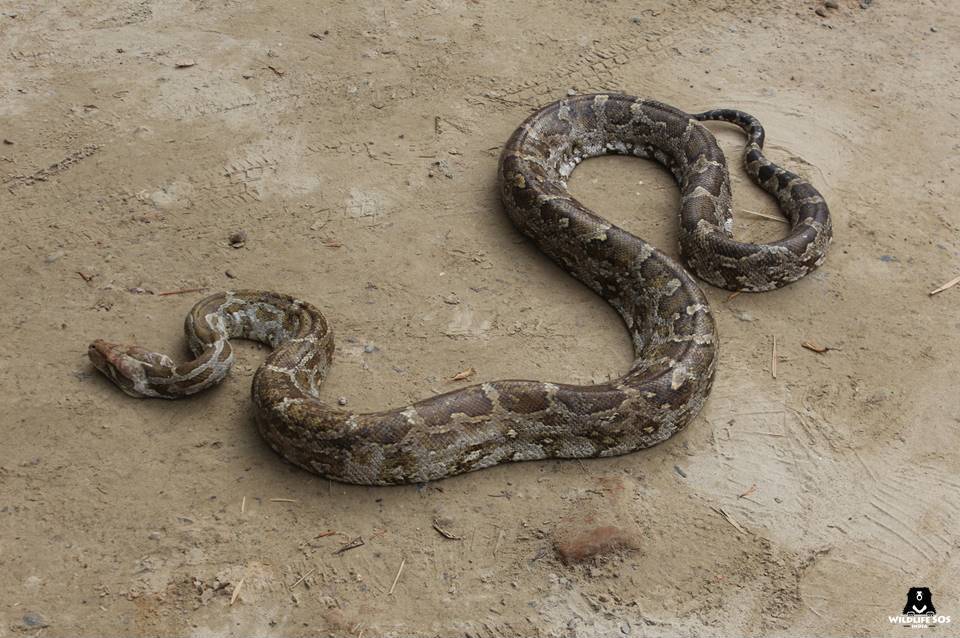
(356, 145)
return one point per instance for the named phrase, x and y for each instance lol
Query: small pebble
(933, 29)
(8, 142)
(820, 11)
(341, 400)
(155, 536)
(370, 348)
(831, 4)
(451, 299)
(440, 167)
(185, 63)
(637, 19)
(230, 274)
(238, 238)
(34, 620)
(54, 256)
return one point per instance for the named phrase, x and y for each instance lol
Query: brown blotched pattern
(673, 332)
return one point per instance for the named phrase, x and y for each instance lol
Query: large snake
(673, 331)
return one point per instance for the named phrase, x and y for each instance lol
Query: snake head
(131, 368)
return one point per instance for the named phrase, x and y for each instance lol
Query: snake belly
(673, 332)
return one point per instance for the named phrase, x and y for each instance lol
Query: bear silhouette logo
(919, 602)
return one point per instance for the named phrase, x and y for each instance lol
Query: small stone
(238, 239)
(441, 167)
(155, 536)
(230, 274)
(877, 398)
(933, 29)
(865, 3)
(820, 11)
(637, 19)
(341, 400)
(184, 63)
(54, 256)
(8, 142)
(34, 620)
(451, 299)
(571, 92)
(370, 348)
(831, 4)
(887, 258)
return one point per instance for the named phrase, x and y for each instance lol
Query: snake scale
(673, 331)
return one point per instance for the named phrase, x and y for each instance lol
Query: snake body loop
(672, 329)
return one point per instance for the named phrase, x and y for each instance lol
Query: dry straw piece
(950, 284)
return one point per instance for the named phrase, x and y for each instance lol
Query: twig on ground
(950, 284)
(815, 347)
(773, 358)
(302, 578)
(182, 291)
(329, 532)
(236, 591)
(355, 543)
(464, 374)
(729, 519)
(765, 216)
(397, 578)
(445, 533)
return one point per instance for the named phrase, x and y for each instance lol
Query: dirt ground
(356, 145)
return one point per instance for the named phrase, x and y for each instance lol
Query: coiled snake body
(673, 332)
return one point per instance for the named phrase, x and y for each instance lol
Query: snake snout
(97, 352)
(120, 364)
(110, 358)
